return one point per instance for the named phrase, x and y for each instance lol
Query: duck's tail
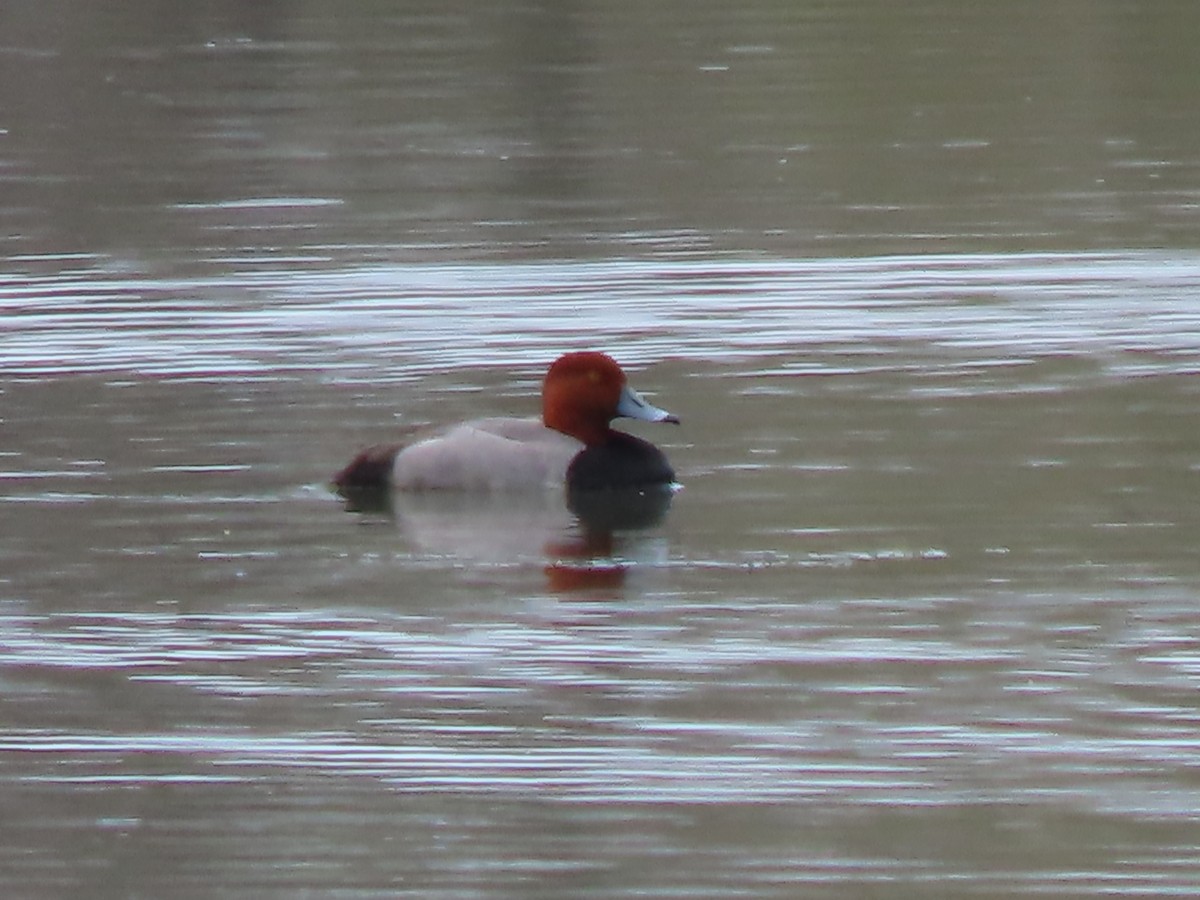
(370, 470)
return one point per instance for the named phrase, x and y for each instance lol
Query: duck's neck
(586, 429)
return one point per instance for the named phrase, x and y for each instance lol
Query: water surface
(921, 283)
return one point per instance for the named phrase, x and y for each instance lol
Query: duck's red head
(583, 392)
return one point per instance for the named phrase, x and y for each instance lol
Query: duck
(572, 445)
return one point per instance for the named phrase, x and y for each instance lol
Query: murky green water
(921, 281)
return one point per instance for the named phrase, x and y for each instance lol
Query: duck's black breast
(622, 461)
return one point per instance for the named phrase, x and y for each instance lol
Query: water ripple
(1138, 310)
(598, 704)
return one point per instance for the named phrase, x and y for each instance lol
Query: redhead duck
(573, 444)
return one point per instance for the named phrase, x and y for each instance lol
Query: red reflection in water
(584, 563)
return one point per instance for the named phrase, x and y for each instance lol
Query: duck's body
(494, 454)
(573, 445)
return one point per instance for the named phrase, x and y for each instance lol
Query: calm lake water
(921, 281)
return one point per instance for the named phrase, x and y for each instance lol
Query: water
(921, 283)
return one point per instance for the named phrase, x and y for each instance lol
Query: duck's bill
(633, 405)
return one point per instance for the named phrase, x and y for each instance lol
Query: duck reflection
(613, 529)
(589, 541)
